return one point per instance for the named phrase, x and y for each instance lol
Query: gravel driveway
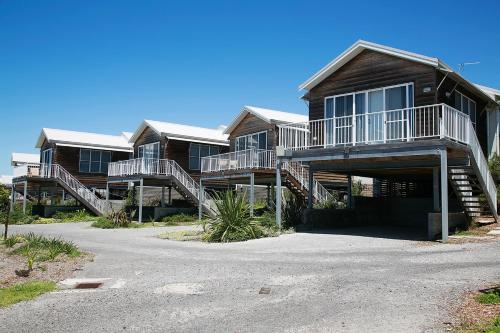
(318, 282)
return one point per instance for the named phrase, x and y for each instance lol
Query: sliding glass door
(370, 116)
(46, 163)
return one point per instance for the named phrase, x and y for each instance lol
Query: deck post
(25, 194)
(162, 196)
(107, 193)
(278, 193)
(252, 189)
(349, 191)
(268, 198)
(435, 188)
(444, 195)
(200, 202)
(310, 189)
(170, 195)
(141, 192)
(13, 197)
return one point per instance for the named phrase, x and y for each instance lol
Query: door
(46, 167)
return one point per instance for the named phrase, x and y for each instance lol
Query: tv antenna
(461, 66)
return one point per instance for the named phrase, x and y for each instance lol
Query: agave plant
(233, 222)
(119, 218)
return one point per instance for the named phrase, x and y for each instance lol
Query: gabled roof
(362, 45)
(84, 140)
(24, 158)
(183, 132)
(356, 49)
(492, 92)
(268, 115)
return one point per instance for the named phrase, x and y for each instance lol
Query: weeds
(24, 292)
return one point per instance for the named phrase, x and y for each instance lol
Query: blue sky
(103, 66)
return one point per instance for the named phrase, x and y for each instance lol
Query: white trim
(94, 147)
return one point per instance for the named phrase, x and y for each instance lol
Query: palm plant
(233, 222)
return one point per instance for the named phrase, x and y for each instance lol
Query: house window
(361, 110)
(197, 151)
(149, 151)
(94, 161)
(255, 140)
(466, 105)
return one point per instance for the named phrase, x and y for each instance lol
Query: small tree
(5, 208)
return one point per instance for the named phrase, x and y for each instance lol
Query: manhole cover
(265, 291)
(88, 285)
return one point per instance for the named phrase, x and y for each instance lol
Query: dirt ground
(472, 313)
(61, 268)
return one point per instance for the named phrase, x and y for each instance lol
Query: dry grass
(474, 316)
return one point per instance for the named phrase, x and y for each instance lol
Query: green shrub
(292, 211)
(76, 216)
(232, 222)
(103, 223)
(494, 163)
(12, 240)
(333, 202)
(179, 218)
(18, 217)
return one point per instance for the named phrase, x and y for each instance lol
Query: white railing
(160, 167)
(301, 174)
(244, 159)
(58, 172)
(27, 170)
(262, 159)
(431, 121)
(409, 124)
(481, 164)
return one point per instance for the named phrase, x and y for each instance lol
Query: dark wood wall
(150, 136)
(69, 159)
(252, 124)
(370, 70)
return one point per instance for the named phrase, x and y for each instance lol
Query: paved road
(319, 283)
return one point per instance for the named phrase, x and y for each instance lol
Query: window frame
(409, 101)
(246, 136)
(469, 101)
(89, 161)
(210, 148)
(143, 146)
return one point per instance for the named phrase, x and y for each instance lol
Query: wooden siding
(370, 70)
(252, 124)
(150, 136)
(69, 159)
(178, 151)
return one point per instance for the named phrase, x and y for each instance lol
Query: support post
(278, 193)
(444, 195)
(200, 202)
(13, 197)
(252, 189)
(107, 193)
(25, 194)
(141, 194)
(162, 196)
(349, 191)
(310, 189)
(435, 188)
(170, 195)
(268, 198)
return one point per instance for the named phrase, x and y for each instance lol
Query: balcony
(409, 124)
(239, 160)
(30, 170)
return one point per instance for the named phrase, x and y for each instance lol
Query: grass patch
(24, 292)
(184, 235)
(75, 216)
(488, 326)
(179, 219)
(103, 223)
(40, 248)
(490, 296)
